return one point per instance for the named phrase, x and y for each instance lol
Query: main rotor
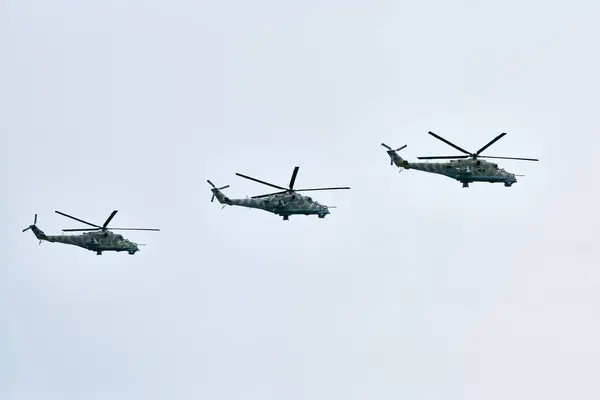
(474, 156)
(102, 228)
(290, 188)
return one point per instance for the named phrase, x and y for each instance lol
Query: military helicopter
(98, 239)
(285, 203)
(466, 169)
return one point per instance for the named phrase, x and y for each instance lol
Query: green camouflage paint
(285, 203)
(466, 168)
(99, 238)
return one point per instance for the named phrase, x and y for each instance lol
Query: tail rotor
(34, 222)
(215, 189)
(391, 152)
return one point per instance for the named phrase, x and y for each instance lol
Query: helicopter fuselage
(285, 203)
(280, 204)
(464, 168)
(93, 241)
(465, 171)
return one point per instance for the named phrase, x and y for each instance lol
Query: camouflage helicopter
(285, 203)
(464, 168)
(98, 239)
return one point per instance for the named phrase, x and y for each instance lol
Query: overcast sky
(413, 288)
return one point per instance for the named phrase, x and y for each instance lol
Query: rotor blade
(448, 142)
(400, 148)
(76, 219)
(35, 219)
(133, 229)
(259, 181)
(223, 187)
(386, 146)
(267, 195)
(109, 219)
(511, 158)
(81, 230)
(211, 184)
(293, 177)
(491, 143)
(330, 188)
(26, 229)
(440, 157)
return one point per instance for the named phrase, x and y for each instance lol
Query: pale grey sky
(414, 288)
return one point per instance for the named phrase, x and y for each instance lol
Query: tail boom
(221, 198)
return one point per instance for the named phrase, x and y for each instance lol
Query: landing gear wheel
(99, 253)
(132, 252)
(321, 215)
(465, 184)
(286, 218)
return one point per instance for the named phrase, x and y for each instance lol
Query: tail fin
(36, 231)
(218, 194)
(394, 157)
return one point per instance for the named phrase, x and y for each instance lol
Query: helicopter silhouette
(285, 203)
(464, 168)
(98, 239)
